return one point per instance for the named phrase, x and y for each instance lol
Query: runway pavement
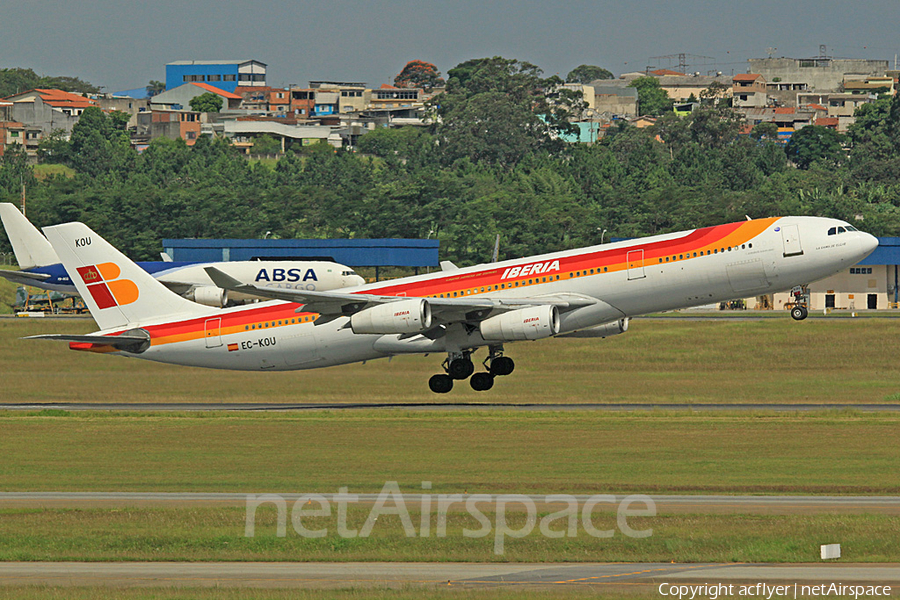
(438, 406)
(404, 574)
(665, 503)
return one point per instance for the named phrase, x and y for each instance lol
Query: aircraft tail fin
(118, 292)
(31, 248)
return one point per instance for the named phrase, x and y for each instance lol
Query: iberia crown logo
(106, 288)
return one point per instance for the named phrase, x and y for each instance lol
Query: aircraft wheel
(481, 382)
(798, 313)
(502, 365)
(440, 384)
(460, 368)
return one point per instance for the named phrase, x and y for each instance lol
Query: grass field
(765, 361)
(487, 452)
(217, 534)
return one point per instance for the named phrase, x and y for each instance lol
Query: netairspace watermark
(770, 592)
(390, 501)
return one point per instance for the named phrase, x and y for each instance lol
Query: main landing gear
(799, 303)
(459, 366)
(798, 313)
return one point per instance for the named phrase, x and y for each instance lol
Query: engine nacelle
(524, 324)
(209, 295)
(403, 316)
(608, 329)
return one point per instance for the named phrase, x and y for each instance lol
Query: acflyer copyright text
(764, 590)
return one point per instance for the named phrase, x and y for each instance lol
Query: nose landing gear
(459, 366)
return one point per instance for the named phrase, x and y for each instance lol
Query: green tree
(207, 102)
(652, 99)
(154, 88)
(99, 144)
(15, 171)
(491, 128)
(816, 144)
(766, 130)
(587, 74)
(539, 107)
(419, 74)
(714, 94)
(16, 80)
(266, 144)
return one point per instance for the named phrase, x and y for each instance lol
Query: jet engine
(524, 324)
(608, 329)
(208, 295)
(402, 316)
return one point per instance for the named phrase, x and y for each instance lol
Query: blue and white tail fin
(118, 292)
(31, 248)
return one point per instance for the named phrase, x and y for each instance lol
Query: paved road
(437, 406)
(664, 503)
(356, 575)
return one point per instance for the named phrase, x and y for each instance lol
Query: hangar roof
(887, 252)
(386, 252)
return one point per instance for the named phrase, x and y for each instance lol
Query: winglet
(224, 280)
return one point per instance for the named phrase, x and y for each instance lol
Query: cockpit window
(851, 228)
(346, 273)
(841, 230)
(832, 231)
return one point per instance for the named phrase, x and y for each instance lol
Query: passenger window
(502, 286)
(715, 251)
(680, 256)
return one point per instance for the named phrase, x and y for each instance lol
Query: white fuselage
(625, 279)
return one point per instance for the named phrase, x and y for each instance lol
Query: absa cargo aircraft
(40, 267)
(454, 311)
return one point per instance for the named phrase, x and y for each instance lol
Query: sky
(123, 44)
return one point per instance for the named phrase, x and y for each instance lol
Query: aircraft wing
(24, 277)
(179, 287)
(334, 304)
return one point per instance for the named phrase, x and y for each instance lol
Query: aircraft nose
(355, 280)
(868, 243)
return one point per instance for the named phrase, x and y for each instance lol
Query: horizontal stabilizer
(24, 277)
(129, 343)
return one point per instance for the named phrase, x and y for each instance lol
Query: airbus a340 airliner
(455, 311)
